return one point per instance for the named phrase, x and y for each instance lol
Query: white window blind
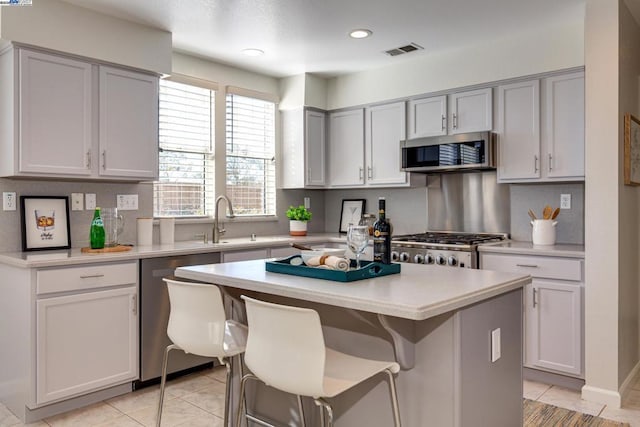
(186, 141)
(250, 141)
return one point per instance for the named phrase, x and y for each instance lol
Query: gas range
(445, 248)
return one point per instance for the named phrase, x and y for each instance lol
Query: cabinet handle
(308, 175)
(92, 276)
(527, 265)
(535, 163)
(134, 303)
(369, 172)
(444, 122)
(104, 159)
(361, 173)
(550, 162)
(88, 159)
(455, 121)
(535, 293)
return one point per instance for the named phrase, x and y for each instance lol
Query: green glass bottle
(96, 233)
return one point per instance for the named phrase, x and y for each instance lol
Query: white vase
(297, 228)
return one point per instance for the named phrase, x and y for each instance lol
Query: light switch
(565, 201)
(495, 345)
(90, 201)
(77, 201)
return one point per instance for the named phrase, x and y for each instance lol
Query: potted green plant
(298, 218)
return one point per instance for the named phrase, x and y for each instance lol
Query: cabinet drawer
(536, 266)
(86, 277)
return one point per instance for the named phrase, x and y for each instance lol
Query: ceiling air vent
(403, 49)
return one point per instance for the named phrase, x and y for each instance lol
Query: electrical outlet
(127, 202)
(307, 202)
(565, 201)
(90, 201)
(77, 201)
(8, 201)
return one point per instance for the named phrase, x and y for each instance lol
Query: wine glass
(357, 240)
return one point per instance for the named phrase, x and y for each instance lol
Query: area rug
(540, 414)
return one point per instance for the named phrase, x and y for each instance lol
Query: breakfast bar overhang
(457, 334)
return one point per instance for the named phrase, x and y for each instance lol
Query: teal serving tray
(367, 270)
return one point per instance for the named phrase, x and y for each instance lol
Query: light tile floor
(198, 400)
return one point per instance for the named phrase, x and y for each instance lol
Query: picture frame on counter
(631, 150)
(352, 210)
(45, 223)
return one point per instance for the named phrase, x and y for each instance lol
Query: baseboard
(624, 388)
(601, 395)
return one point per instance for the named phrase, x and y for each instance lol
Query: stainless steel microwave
(462, 152)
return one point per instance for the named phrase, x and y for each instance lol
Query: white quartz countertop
(418, 292)
(528, 248)
(75, 256)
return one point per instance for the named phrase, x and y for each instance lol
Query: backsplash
(570, 228)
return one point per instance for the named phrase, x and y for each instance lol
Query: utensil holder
(145, 231)
(167, 231)
(543, 231)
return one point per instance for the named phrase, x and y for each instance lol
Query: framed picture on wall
(631, 150)
(352, 210)
(45, 223)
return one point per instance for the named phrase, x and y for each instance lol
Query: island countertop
(418, 292)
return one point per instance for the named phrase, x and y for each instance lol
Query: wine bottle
(96, 233)
(382, 236)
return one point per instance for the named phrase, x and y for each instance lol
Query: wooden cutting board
(119, 248)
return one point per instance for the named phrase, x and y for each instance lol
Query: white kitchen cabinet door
(427, 117)
(315, 140)
(555, 340)
(519, 131)
(55, 104)
(346, 148)
(128, 124)
(85, 342)
(471, 111)
(385, 128)
(564, 126)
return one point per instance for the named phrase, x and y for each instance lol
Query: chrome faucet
(217, 231)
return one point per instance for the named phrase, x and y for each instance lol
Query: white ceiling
(311, 36)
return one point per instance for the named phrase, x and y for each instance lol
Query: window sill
(210, 220)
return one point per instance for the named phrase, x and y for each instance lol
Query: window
(250, 141)
(186, 141)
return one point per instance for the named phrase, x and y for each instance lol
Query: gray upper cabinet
(303, 148)
(68, 118)
(541, 130)
(470, 111)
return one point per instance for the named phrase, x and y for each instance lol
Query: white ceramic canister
(145, 231)
(543, 232)
(167, 230)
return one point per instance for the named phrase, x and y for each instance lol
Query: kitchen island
(438, 323)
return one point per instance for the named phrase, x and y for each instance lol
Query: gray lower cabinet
(553, 310)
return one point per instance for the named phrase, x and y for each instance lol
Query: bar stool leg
(394, 398)
(301, 410)
(163, 380)
(227, 392)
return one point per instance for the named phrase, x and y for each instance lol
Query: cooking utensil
(301, 247)
(546, 212)
(556, 212)
(532, 215)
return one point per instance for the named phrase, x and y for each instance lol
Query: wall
(629, 232)
(570, 228)
(10, 239)
(406, 207)
(547, 49)
(602, 203)
(87, 33)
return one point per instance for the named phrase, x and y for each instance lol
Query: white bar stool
(198, 325)
(291, 337)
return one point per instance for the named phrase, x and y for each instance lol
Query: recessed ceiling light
(253, 52)
(360, 33)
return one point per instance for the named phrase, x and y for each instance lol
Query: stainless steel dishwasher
(154, 310)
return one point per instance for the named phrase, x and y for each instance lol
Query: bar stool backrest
(285, 347)
(197, 318)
